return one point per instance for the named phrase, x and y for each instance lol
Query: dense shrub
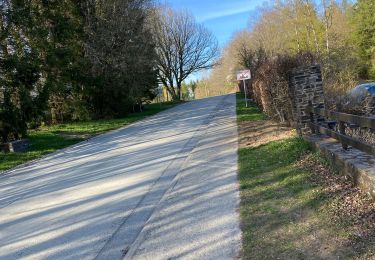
(270, 85)
(73, 60)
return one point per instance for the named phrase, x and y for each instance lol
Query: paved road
(162, 188)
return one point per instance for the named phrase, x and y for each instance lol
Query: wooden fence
(334, 124)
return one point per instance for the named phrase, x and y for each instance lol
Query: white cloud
(228, 8)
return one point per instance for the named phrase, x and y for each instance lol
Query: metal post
(245, 90)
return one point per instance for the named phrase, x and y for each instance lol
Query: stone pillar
(306, 86)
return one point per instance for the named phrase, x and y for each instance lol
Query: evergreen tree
(73, 60)
(363, 19)
(121, 53)
(19, 70)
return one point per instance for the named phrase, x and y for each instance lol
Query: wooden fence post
(342, 131)
(341, 127)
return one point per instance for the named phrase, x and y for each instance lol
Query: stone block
(15, 146)
(359, 166)
(307, 87)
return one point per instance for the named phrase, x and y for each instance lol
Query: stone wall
(306, 86)
(359, 166)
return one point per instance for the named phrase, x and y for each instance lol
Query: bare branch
(183, 47)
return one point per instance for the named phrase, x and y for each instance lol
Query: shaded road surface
(162, 188)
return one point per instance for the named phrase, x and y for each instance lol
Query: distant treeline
(337, 34)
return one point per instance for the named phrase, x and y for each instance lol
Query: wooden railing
(324, 122)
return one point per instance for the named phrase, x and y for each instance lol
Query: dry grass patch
(256, 133)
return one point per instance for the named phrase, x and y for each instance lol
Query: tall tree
(121, 54)
(183, 47)
(363, 19)
(19, 71)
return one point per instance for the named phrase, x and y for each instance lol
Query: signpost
(244, 75)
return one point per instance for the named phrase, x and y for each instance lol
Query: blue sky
(222, 17)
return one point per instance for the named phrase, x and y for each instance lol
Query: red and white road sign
(243, 74)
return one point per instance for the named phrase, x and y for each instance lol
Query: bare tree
(327, 20)
(183, 47)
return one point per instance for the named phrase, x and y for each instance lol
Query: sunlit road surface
(162, 188)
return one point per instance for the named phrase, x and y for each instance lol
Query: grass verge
(250, 113)
(288, 207)
(49, 139)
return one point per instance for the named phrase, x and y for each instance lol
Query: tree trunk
(327, 38)
(174, 95)
(179, 94)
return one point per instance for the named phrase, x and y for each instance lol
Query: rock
(15, 146)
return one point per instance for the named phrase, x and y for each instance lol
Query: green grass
(48, 139)
(250, 113)
(282, 211)
(273, 194)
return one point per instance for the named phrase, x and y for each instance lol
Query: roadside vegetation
(293, 205)
(69, 61)
(336, 34)
(48, 139)
(250, 113)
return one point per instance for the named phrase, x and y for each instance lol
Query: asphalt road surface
(162, 188)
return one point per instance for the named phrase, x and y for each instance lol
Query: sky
(222, 17)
